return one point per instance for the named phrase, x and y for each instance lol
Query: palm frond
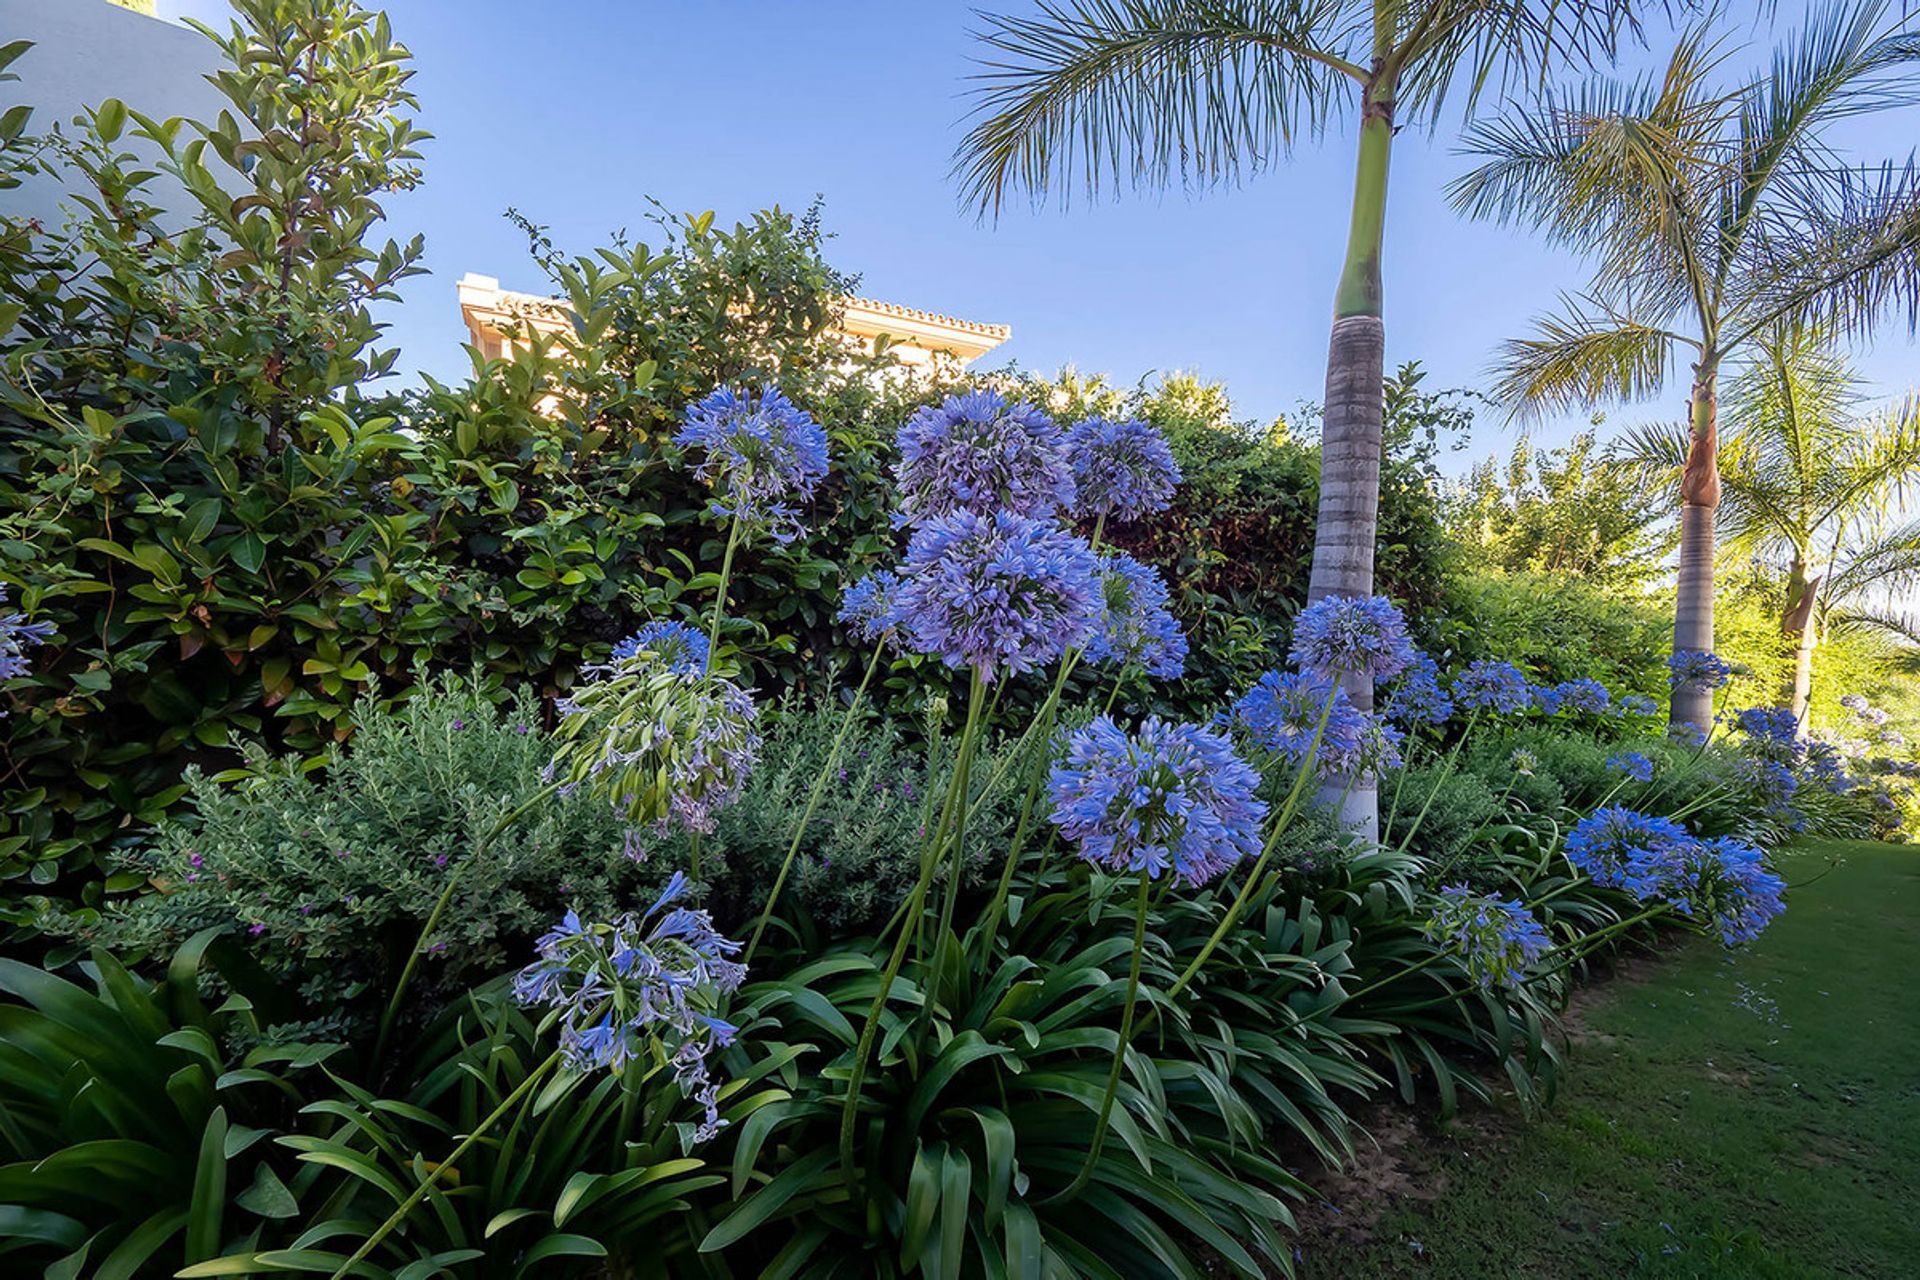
(1137, 92)
(1888, 563)
(1887, 623)
(1582, 356)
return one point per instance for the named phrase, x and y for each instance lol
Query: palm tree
(1712, 217)
(1097, 92)
(1812, 488)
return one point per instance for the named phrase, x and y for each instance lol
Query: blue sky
(575, 111)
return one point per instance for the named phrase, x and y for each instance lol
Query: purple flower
(17, 635)
(675, 645)
(997, 594)
(1280, 712)
(870, 608)
(659, 976)
(1418, 697)
(1172, 797)
(1352, 635)
(1722, 884)
(977, 452)
(1576, 697)
(1497, 939)
(1122, 470)
(1632, 764)
(1136, 626)
(1490, 685)
(763, 455)
(1621, 849)
(1697, 669)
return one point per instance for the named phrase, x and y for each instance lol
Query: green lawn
(1747, 1115)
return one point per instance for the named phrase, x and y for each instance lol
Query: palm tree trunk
(1349, 513)
(1699, 498)
(1797, 622)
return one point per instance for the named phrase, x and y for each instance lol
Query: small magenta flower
(675, 645)
(978, 452)
(1136, 625)
(1497, 939)
(1122, 470)
(1352, 635)
(1171, 797)
(764, 454)
(997, 594)
(1491, 685)
(657, 978)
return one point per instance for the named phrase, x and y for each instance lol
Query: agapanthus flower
(1136, 626)
(1352, 635)
(675, 644)
(764, 454)
(1621, 849)
(1828, 767)
(621, 988)
(1632, 764)
(1170, 797)
(1575, 697)
(1418, 697)
(998, 594)
(17, 635)
(1775, 731)
(1280, 712)
(1523, 762)
(870, 608)
(978, 452)
(1770, 783)
(1722, 884)
(1697, 669)
(662, 746)
(1634, 704)
(1492, 685)
(1497, 939)
(1687, 735)
(1122, 470)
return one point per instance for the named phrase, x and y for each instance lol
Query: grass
(1751, 1115)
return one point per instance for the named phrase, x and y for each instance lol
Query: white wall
(85, 51)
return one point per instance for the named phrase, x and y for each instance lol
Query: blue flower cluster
(1725, 885)
(870, 608)
(1136, 627)
(1497, 939)
(998, 594)
(618, 987)
(1575, 698)
(763, 455)
(977, 452)
(1418, 697)
(1491, 685)
(1697, 669)
(1123, 470)
(674, 644)
(1634, 704)
(17, 635)
(1722, 884)
(1773, 732)
(1171, 797)
(1280, 712)
(1632, 764)
(1352, 636)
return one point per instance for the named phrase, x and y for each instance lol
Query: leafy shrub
(1556, 628)
(331, 873)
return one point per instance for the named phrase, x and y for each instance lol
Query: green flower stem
(713, 655)
(1586, 944)
(1114, 693)
(1399, 784)
(1446, 771)
(1042, 727)
(958, 838)
(1260, 865)
(850, 1113)
(813, 802)
(1120, 1046)
(419, 1193)
(440, 909)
